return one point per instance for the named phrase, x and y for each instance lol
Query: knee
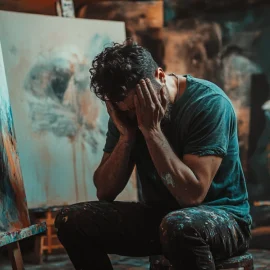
(62, 218)
(80, 218)
(170, 225)
(70, 220)
(177, 226)
(64, 222)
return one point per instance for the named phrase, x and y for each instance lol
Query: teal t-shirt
(203, 122)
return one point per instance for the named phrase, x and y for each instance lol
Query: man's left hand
(150, 106)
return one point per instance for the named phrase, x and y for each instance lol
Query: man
(181, 133)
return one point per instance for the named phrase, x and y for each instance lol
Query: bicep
(203, 167)
(208, 139)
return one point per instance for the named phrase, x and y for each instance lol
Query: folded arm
(187, 180)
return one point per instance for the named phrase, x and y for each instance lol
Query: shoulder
(207, 94)
(202, 83)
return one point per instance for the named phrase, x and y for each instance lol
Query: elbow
(95, 177)
(193, 202)
(102, 196)
(102, 193)
(194, 199)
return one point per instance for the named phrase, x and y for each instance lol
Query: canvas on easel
(14, 218)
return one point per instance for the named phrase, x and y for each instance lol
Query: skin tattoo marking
(168, 180)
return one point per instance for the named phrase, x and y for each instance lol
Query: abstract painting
(61, 126)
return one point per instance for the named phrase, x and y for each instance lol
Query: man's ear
(160, 75)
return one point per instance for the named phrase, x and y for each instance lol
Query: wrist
(152, 134)
(127, 139)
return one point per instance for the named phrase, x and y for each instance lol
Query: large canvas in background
(60, 125)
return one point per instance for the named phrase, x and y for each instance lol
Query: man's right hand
(124, 125)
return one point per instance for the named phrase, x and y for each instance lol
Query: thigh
(125, 228)
(216, 227)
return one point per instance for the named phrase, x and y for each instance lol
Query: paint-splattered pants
(191, 238)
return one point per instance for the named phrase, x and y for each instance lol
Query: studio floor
(61, 262)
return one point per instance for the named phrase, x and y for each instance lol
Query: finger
(164, 101)
(152, 92)
(140, 97)
(137, 107)
(109, 106)
(145, 92)
(110, 109)
(136, 103)
(159, 96)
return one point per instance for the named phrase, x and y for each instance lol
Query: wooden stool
(241, 262)
(45, 244)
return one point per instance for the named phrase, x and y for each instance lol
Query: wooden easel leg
(15, 256)
(37, 256)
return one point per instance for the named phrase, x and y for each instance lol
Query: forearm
(177, 177)
(112, 176)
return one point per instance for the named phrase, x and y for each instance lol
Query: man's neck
(176, 86)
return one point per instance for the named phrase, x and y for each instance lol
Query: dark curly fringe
(117, 70)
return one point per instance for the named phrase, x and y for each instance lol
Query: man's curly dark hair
(117, 70)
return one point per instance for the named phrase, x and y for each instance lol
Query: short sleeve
(112, 137)
(210, 128)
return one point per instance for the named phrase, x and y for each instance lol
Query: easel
(11, 239)
(14, 216)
